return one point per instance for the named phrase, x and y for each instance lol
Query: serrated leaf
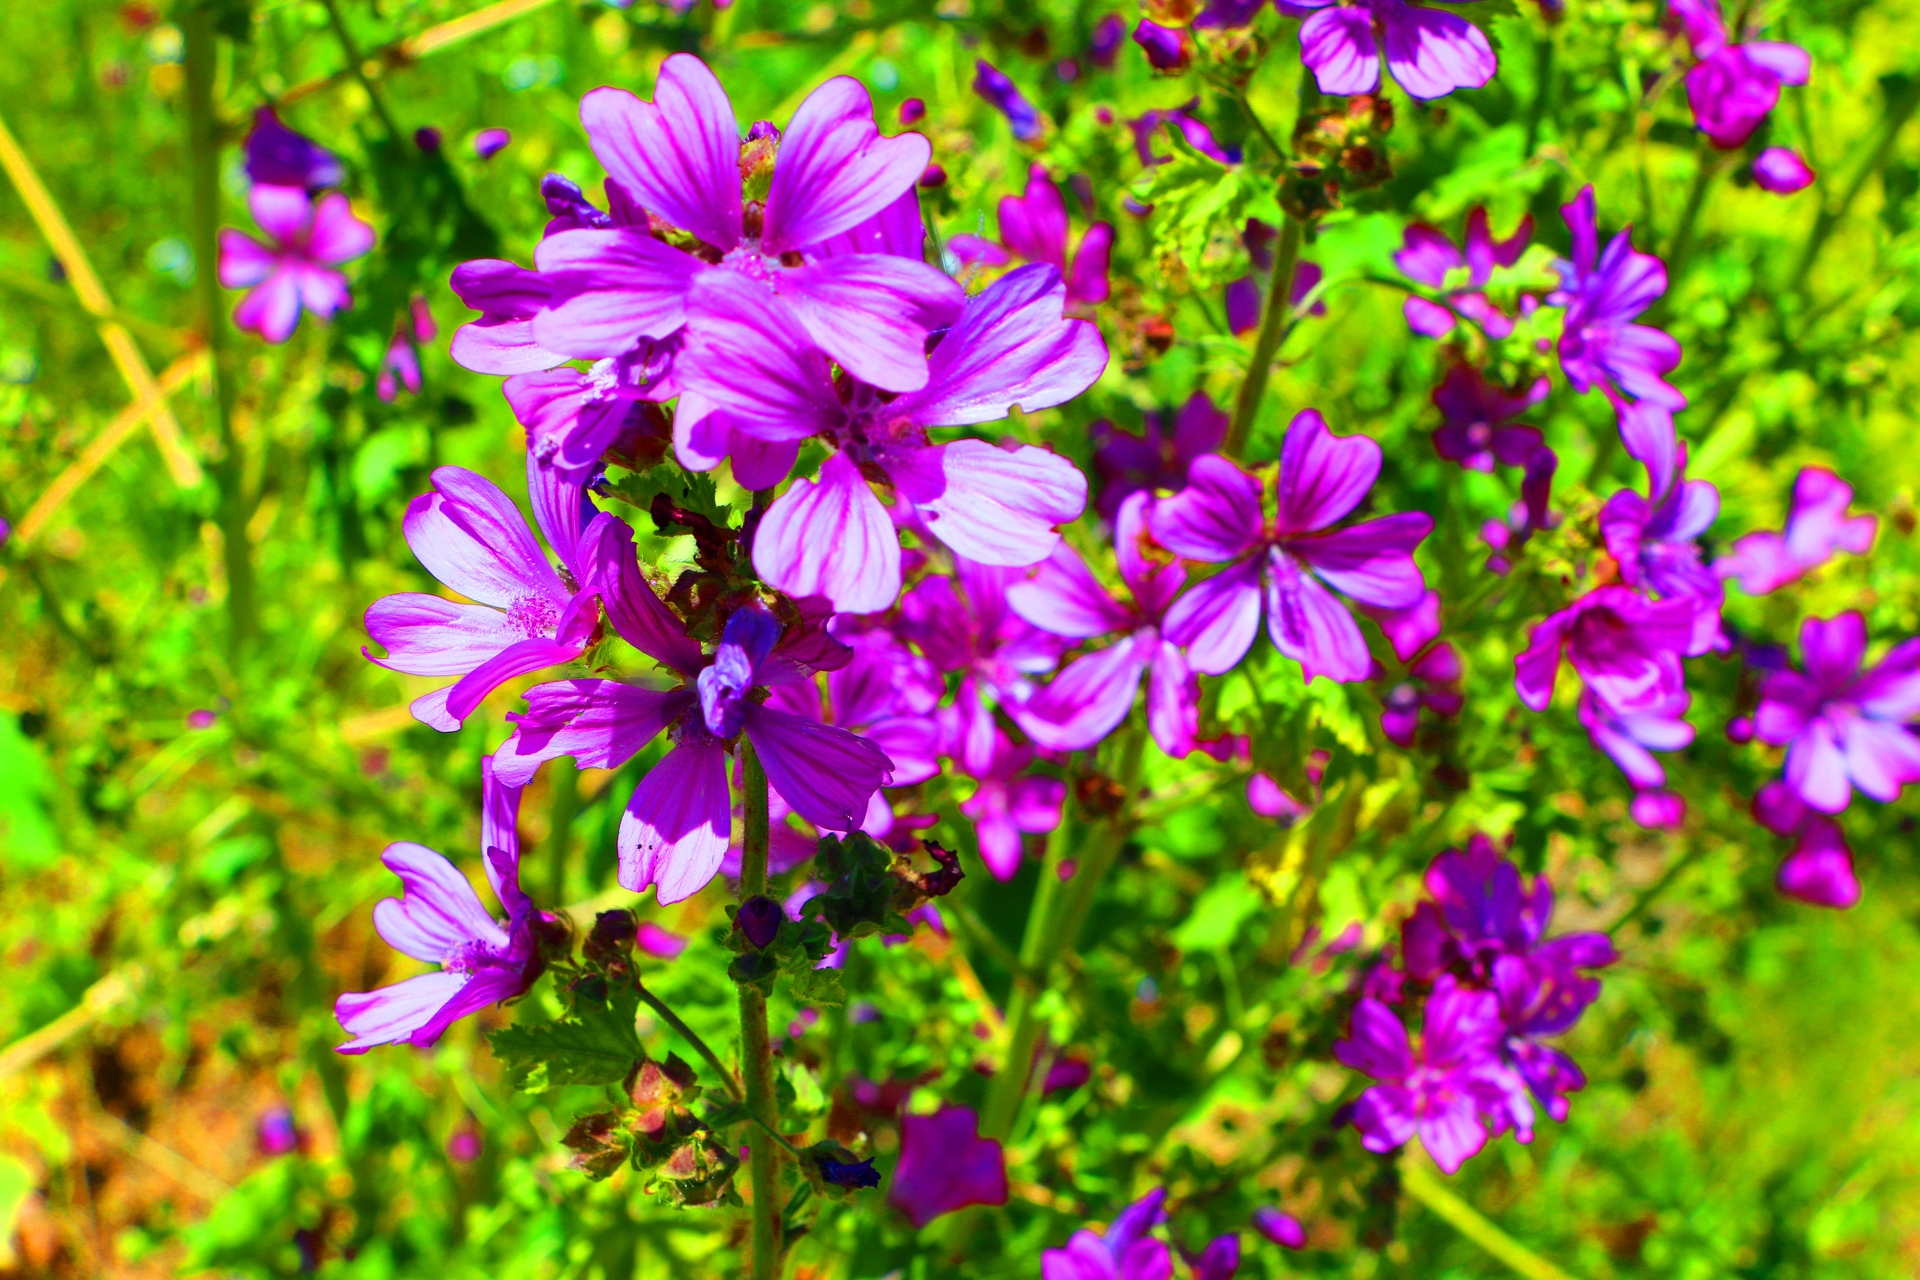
(595, 1044)
(1200, 208)
(819, 986)
(693, 491)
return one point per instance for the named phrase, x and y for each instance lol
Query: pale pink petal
(244, 261)
(1309, 625)
(1087, 700)
(1817, 769)
(1882, 758)
(438, 910)
(321, 291)
(679, 155)
(834, 170)
(611, 288)
(470, 536)
(272, 309)
(337, 235)
(754, 361)
(832, 538)
(760, 464)
(1788, 62)
(1173, 701)
(429, 636)
(430, 709)
(1064, 598)
(872, 313)
(675, 830)
(282, 212)
(393, 1013)
(994, 506)
(517, 659)
(600, 723)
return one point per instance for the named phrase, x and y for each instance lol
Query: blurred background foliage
(196, 776)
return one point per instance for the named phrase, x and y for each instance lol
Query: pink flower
(1781, 171)
(946, 1165)
(1033, 228)
(295, 270)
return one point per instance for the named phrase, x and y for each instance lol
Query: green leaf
(689, 490)
(819, 986)
(1200, 208)
(1218, 914)
(595, 1044)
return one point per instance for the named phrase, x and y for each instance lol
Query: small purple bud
(464, 1146)
(852, 1175)
(1067, 70)
(277, 1134)
(427, 139)
(1165, 47)
(201, 719)
(934, 176)
(1105, 45)
(913, 111)
(489, 143)
(864, 1012)
(759, 920)
(1740, 730)
(1781, 171)
(763, 129)
(1282, 1228)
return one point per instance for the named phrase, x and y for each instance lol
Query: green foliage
(593, 1044)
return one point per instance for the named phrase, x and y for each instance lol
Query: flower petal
(834, 170)
(1370, 562)
(641, 617)
(337, 235)
(1431, 52)
(1322, 476)
(994, 506)
(438, 910)
(600, 723)
(1216, 621)
(753, 360)
(1337, 45)
(827, 774)
(832, 538)
(1309, 625)
(1216, 517)
(1064, 598)
(472, 537)
(429, 636)
(678, 155)
(393, 1013)
(872, 313)
(611, 288)
(676, 827)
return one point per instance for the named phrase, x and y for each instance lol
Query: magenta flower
(1437, 1092)
(992, 84)
(1429, 257)
(1630, 738)
(295, 270)
(946, 1165)
(677, 823)
(281, 157)
(1282, 1228)
(1432, 679)
(680, 159)
(508, 297)
(526, 616)
(1819, 868)
(1601, 347)
(1817, 527)
(1733, 86)
(401, 365)
(1034, 228)
(1157, 459)
(1219, 1260)
(1430, 52)
(1655, 542)
(1008, 804)
(1167, 48)
(1843, 728)
(763, 388)
(440, 919)
(1286, 567)
(1195, 132)
(1625, 647)
(1095, 692)
(1782, 171)
(1124, 1251)
(573, 418)
(489, 143)
(1478, 430)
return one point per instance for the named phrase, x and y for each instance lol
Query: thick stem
(756, 1044)
(1274, 323)
(203, 150)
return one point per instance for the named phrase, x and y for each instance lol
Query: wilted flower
(1167, 48)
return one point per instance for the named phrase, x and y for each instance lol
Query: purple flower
(1287, 567)
(1167, 48)
(1108, 34)
(1282, 1228)
(1819, 868)
(1009, 804)
(677, 823)
(1817, 527)
(763, 388)
(489, 143)
(1630, 738)
(1034, 229)
(526, 616)
(992, 84)
(440, 919)
(1655, 543)
(1781, 171)
(1478, 430)
(280, 157)
(508, 297)
(1427, 256)
(276, 1134)
(1432, 683)
(1220, 1260)
(1123, 1252)
(827, 180)
(1429, 51)
(946, 1165)
(1733, 86)
(1192, 129)
(1625, 647)
(1156, 459)
(1600, 347)
(295, 270)
(1095, 692)
(1438, 1092)
(573, 418)
(1843, 728)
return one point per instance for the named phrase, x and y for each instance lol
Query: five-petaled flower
(1844, 728)
(295, 270)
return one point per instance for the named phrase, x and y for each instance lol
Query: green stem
(356, 66)
(1542, 89)
(203, 150)
(565, 804)
(1680, 244)
(1469, 1222)
(756, 1044)
(672, 1019)
(1901, 104)
(1651, 894)
(1274, 323)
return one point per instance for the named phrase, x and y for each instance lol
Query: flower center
(533, 616)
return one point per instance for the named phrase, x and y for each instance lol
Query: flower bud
(759, 920)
